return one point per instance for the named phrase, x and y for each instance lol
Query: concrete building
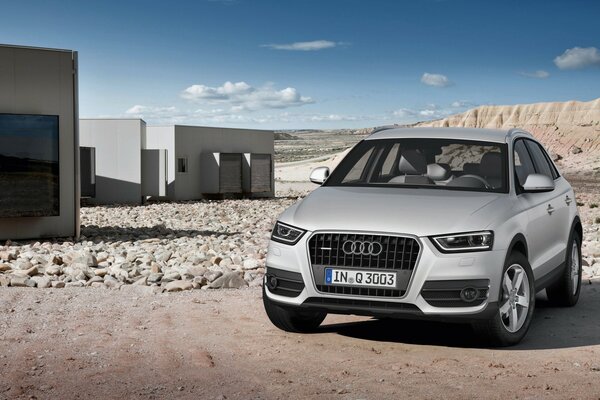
(39, 149)
(117, 144)
(126, 162)
(205, 161)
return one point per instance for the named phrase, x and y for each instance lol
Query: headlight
(286, 234)
(463, 242)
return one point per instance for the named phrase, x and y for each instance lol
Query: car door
(559, 201)
(538, 232)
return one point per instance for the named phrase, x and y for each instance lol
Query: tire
(499, 330)
(290, 319)
(565, 292)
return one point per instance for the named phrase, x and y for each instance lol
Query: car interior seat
(412, 168)
(491, 168)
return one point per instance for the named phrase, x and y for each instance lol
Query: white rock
(251, 263)
(42, 282)
(177, 286)
(231, 280)
(21, 281)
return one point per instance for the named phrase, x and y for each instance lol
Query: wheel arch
(577, 227)
(518, 243)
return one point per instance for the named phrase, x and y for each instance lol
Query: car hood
(420, 212)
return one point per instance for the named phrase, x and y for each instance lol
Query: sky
(305, 64)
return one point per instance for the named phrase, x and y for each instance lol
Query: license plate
(360, 278)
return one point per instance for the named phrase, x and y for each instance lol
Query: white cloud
(404, 113)
(304, 46)
(139, 110)
(243, 97)
(224, 92)
(333, 117)
(429, 112)
(437, 80)
(539, 74)
(578, 57)
(462, 104)
(173, 115)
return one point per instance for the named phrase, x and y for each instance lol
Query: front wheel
(515, 304)
(290, 319)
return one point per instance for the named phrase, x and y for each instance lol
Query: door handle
(568, 200)
(550, 209)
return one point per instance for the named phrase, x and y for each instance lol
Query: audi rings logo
(358, 248)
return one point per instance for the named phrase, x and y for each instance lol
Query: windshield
(425, 163)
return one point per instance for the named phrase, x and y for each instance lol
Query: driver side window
(523, 164)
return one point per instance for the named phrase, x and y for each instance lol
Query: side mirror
(538, 183)
(319, 175)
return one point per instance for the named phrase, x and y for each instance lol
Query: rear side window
(523, 163)
(541, 160)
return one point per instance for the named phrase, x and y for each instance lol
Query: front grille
(398, 254)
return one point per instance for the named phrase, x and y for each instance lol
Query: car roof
(478, 134)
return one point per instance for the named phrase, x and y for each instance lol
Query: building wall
(41, 81)
(118, 144)
(163, 137)
(192, 141)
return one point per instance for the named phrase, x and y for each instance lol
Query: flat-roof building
(215, 161)
(134, 162)
(39, 160)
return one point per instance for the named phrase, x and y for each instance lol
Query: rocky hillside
(560, 126)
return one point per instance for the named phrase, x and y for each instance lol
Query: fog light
(272, 282)
(469, 294)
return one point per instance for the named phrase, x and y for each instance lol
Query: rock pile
(170, 246)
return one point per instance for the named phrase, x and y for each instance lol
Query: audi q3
(449, 224)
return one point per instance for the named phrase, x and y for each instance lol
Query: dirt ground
(80, 343)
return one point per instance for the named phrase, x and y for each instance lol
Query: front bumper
(433, 270)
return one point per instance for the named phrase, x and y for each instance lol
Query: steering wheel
(487, 185)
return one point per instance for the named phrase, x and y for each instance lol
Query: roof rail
(512, 131)
(383, 128)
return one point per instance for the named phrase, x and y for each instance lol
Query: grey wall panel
(154, 173)
(209, 166)
(87, 169)
(261, 171)
(163, 137)
(230, 173)
(193, 141)
(41, 81)
(118, 144)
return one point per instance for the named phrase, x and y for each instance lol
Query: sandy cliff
(560, 126)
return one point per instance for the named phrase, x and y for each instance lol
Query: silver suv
(436, 223)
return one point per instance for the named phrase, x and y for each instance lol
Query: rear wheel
(290, 319)
(565, 292)
(515, 304)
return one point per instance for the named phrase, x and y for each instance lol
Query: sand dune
(560, 126)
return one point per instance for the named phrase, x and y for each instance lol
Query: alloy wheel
(575, 267)
(515, 298)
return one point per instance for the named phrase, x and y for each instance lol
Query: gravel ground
(169, 246)
(190, 245)
(131, 344)
(139, 341)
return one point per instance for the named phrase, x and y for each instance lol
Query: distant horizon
(338, 64)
